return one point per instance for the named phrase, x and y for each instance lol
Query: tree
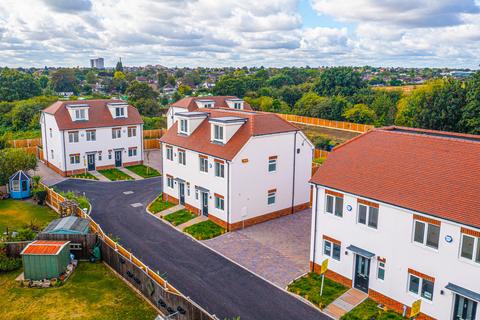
(162, 78)
(43, 82)
(313, 105)
(171, 80)
(91, 77)
(184, 90)
(280, 80)
(470, 119)
(148, 107)
(140, 90)
(119, 66)
(24, 114)
(385, 106)
(16, 85)
(12, 160)
(64, 80)
(119, 75)
(338, 81)
(360, 113)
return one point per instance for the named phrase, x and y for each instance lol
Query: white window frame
(80, 114)
(203, 164)
(425, 233)
(74, 159)
(272, 162)
(73, 136)
(331, 244)
(237, 105)
(116, 133)
(184, 126)
(367, 215)
(119, 112)
(132, 132)
(475, 249)
(218, 133)
(170, 182)
(419, 293)
(219, 203)
(169, 151)
(219, 170)
(182, 157)
(381, 265)
(132, 152)
(15, 185)
(271, 195)
(334, 213)
(91, 134)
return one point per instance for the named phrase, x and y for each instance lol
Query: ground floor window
(170, 182)
(74, 159)
(331, 249)
(420, 286)
(132, 152)
(271, 198)
(381, 270)
(219, 202)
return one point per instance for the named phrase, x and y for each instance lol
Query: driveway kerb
(236, 263)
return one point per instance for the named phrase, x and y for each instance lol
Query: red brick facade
(331, 275)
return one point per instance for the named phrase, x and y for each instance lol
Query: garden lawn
(309, 285)
(115, 174)
(93, 292)
(159, 205)
(144, 171)
(16, 214)
(368, 310)
(85, 175)
(204, 230)
(179, 217)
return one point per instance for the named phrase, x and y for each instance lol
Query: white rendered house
(90, 135)
(237, 167)
(397, 213)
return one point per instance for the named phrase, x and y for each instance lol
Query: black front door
(205, 204)
(181, 191)
(362, 273)
(91, 161)
(118, 158)
(465, 309)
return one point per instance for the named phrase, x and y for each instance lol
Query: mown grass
(144, 171)
(85, 175)
(179, 217)
(16, 214)
(204, 230)
(159, 205)
(93, 292)
(309, 285)
(368, 309)
(115, 174)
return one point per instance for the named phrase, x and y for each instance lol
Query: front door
(118, 158)
(464, 309)
(181, 191)
(91, 161)
(362, 273)
(205, 204)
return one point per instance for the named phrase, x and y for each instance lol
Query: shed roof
(44, 247)
(19, 175)
(69, 225)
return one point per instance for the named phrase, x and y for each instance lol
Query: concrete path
(192, 222)
(173, 209)
(154, 159)
(277, 250)
(49, 177)
(130, 173)
(345, 303)
(99, 176)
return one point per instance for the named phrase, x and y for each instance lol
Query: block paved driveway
(218, 285)
(277, 250)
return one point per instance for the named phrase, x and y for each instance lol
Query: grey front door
(181, 191)
(362, 273)
(118, 158)
(465, 309)
(205, 204)
(91, 161)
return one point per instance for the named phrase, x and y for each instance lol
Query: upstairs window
(334, 203)
(272, 164)
(169, 153)
(184, 126)
(237, 105)
(219, 169)
(116, 133)
(132, 132)
(426, 233)
(368, 214)
(470, 246)
(203, 164)
(272, 197)
(182, 157)
(217, 133)
(73, 136)
(80, 114)
(91, 135)
(119, 112)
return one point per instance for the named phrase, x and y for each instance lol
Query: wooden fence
(349, 126)
(13, 249)
(156, 289)
(25, 143)
(85, 242)
(320, 153)
(156, 133)
(151, 144)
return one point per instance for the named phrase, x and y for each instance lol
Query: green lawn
(205, 230)
(179, 217)
(369, 310)
(309, 285)
(115, 174)
(16, 214)
(159, 205)
(86, 175)
(144, 171)
(93, 292)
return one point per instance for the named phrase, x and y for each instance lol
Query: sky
(216, 33)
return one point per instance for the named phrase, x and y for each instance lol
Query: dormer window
(80, 114)
(237, 105)
(119, 112)
(218, 133)
(184, 126)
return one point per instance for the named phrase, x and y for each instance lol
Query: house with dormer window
(91, 135)
(233, 165)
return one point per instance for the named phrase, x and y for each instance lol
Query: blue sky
(211, 33)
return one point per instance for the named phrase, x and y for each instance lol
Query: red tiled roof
(98, 114)
(219, 102)
(258, 123)
(432, 172)
(44, 247)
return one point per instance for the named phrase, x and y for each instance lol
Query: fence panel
(320, 153)
(155, 133)
(13, 249)
(151, 144)
(341, 125)
(87, 242)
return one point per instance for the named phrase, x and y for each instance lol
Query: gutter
(315, 229)
(45, 135)
(64, 152)
(228, 196)
(294, 160)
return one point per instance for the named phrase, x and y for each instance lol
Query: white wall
(393, 240)
(171, 115)
(54, 143)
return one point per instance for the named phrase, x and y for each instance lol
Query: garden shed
(19, 185)
(68, 225)
(43, 259)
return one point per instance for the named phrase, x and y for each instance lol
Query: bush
(9, 264)
(322, 142)
(25, 234)
(39, 195)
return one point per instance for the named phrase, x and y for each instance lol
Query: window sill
(469, 262)
(416, 296)
(425, 247)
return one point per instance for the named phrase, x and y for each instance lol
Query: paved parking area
(277, 250)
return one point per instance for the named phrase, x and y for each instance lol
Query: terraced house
(234, 165)
(91, 135)
(397, 213)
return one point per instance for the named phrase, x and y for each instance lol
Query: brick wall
(331, 275)
(394, 304)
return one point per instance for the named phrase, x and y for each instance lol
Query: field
(93, 292)
(15, 214)
(407, 89)
(337, 136)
